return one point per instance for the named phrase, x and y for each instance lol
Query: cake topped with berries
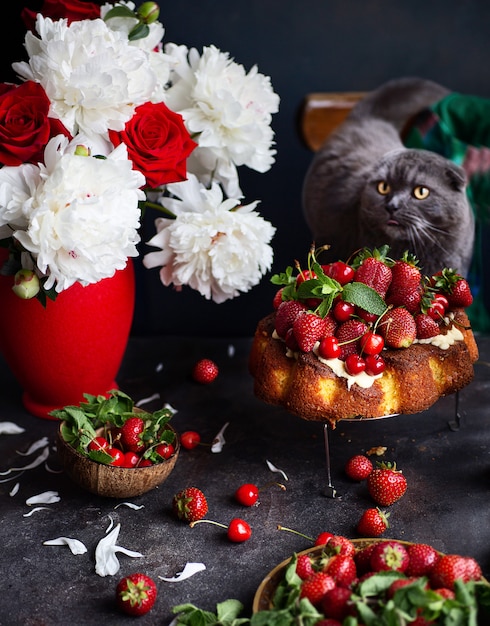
(363, 339)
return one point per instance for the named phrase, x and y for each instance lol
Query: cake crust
(413, 380)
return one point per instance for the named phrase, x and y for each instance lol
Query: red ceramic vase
(74, 345)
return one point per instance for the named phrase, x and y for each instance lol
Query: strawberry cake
(363, 339)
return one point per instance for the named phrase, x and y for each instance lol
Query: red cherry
(371, 343)
(374, 364)
(329, 348)
(145, 463)
(247, 494)
(131, 459)
(339, 271)
(355, 364)
(342, 311)
(323, 538)
(190, 439)
(117, 456)
(439, 297)
(370, 318)
(239, 530)
(436, 310)
(305, 275)
(98, 443)
(165, 450)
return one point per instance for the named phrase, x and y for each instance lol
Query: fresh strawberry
(460, 295)
(286, 314)
(386, 484)
(342, 569)
(277, 300)
(447, 594)
(451, 567)
(335, 603)
(399, 584)
(304, 566)
(422, 559)
(205, 371)
(398, 328)
(308, 328)
(358, 467)
(190, 504)
(389, 555)
(426, 326)
(363, 559)
(315, 587)
(290, 340)
(338, 544)
(372, 270)
(136, 594)
(408, 298)
(348, 335)
(373, 523)
(405, 273)
(131, 432)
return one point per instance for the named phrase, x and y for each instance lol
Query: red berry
(190, 504)
(308, 328)
(117, 456)
(205, 371)
(131, 432)
(239, 530)
(451, 567)
(136, 594)
(304, 275)
(422, 559)
(131, 459)
(165, 450)
(342, 569)
(145, 463)
(342, 311)
(335, 603)
(247, 494)
(386, 484)
(375, 364)
(339, 271)
(354, 364)
(277, 299)
(374, 272)
(304, 566)
(323, 538)
(348, 335)
(436, 310)
(371, 343)
(460, 295)
(189, 439)
(398, 328)
(389, 555)
(373, 523)
(426, 326)
(329, 348)
(285, 316)
(358, 467)
(98, 443)
(315, 587)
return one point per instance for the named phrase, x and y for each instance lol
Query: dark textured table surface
(447, 502)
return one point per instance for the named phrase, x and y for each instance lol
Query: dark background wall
(307, 46)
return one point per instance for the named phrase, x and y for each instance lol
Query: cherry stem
(296, 532)
(271, 484)
(207, 521)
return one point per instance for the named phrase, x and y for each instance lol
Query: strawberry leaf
(364, 297)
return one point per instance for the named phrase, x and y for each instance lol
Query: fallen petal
(155, 396)
(130, 505)
(14, 489)
(37, 461)
(189, 570)
(231, 350)
(169, 407)
(40, 443)
(106, 562)
(9, 428)
(6, 480)
(34, 510)
(47, 497)
(76, 546)
(273, 468)
(219, 440)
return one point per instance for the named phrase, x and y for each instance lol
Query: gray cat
(365, 189)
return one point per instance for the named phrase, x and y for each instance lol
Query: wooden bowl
(111, 481)
(264, 596)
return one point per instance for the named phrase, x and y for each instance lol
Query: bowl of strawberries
(112, 448)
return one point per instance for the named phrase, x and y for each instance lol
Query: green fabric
(458, 128)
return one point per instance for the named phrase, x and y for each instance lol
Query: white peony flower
(84, 216)
(230, 111)
(92, 75)
(17, 186)
(214, 245)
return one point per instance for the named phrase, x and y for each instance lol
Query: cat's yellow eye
(383, 188)
(420, 192)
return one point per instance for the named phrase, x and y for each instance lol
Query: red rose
(25, 127)
(158, 144)
(74, 10)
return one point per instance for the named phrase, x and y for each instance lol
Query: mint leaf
(364, 297)
(284, 278)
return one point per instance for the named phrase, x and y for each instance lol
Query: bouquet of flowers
(106, 120)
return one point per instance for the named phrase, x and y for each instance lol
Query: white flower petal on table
(189, 570)
(37, 461)
(159, 367)
(273, 468)
(35, 510)
(9, 428)
(170, 407)
(6, 480)
(130, 505)
(155, 396)
(106, 562)
(14, 489)
(40, 443)
(219, 440)
(47, 497)
(231, 350)
(76, 546)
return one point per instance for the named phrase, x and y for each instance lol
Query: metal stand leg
(330, 491)
(455, 424)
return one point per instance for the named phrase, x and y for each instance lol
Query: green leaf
(140, 31)
(284, 278)
(364, 297)
(119, 11)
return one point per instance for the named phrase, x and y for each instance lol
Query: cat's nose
(391, 207)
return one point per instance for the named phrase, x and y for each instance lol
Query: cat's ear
(456, 177)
